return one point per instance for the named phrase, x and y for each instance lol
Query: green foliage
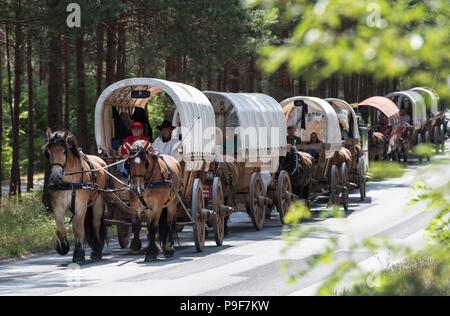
(24, 226)
(380, 170)
(384, 38)
(425, 273)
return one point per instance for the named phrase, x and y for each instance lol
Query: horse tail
(96, 242)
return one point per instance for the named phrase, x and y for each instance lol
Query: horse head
(57, 150)
(140, 159)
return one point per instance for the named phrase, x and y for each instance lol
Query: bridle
(57, 140)
(138, 152)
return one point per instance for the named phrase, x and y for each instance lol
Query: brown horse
(154, 180)
(406, 142)
(377, 145)
(341, 156)
(300, 166)
(70, 180)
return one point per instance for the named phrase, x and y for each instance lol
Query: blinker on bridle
(57, 140)
(137, 152)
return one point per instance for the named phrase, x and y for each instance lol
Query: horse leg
(62, 245)
(169, 249)
(79, 232)
(151, 252)
(136, 244)
(99, 229)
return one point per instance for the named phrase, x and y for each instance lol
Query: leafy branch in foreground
(425, 273)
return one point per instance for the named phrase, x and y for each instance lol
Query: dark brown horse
(70, 180)
(155, 178)
(406, 142)
(377, 145)
(300, 166)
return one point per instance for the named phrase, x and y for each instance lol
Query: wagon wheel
(284, 186)
(428, 142)
(361, 179)
(334, 194)
(344, 182)
(437, 146)
(419, 141)
(123, 234)
(442, 138)
(199, 228)
(257, 211)
(219, 219)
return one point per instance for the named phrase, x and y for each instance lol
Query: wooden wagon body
(250, 138)
(353, 142)
(330, 174)
(196, 124)
(435, 117)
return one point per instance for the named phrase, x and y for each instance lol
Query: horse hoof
(62, 248)
(136, 247)
(96, 256)
(169, 253)
(150, 258)
(79, 257)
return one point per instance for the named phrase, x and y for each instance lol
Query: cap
(137, 124)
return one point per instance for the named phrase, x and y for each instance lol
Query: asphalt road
(248, 263)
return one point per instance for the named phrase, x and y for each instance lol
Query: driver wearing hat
(165, 144)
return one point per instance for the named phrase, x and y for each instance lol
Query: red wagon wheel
(257, 209)
(198, 203)
(219, 219)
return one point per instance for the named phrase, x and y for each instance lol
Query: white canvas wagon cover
(192, 105)
(343, 107)
(433, 104)
(320, 113)
(257, 112)
(419, 108)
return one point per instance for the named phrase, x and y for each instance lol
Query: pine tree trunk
(259, 81)
(301, 86)
(100, 42)
(121, 35)
(225, 79)
(219, 80)
(251, 75)
(8, 69)
(30, 117)
(234, 80)
(82, 121)
(209, 79)
(14, 187)
(111, 53)
(66, 85)
(1, 117)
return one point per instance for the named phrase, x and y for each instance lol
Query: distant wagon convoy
(230, 154)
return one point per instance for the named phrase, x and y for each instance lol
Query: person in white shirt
(165, 144)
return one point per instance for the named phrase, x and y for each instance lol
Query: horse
(300, 166)
(154, 179)
(70, 187)
(406, 141)
(377, 145)
(341, 156)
